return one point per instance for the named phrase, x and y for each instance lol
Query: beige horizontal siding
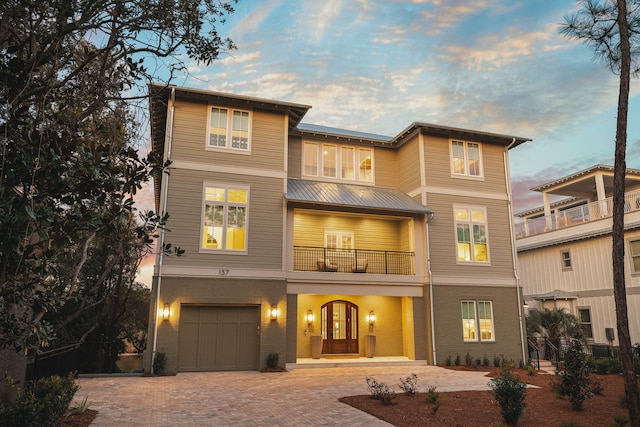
(268, 135)
(409, 166)
(295, 157)
(372, 232)
(386, 167)
(448, 323)
(442, 235)
(265, 222)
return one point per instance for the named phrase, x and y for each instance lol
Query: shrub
(509, 392)
(596, 386)
(521, 364)
(447, 361)
(409, 384)
(457, 361)
(380, 391)
(468, 361)
(273, 360)
(160, 362)
(620, 420)
(485, 361)
(573, 381)
(41, 403)
(433, 398)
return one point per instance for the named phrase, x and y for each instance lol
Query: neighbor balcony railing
(578, 215)
(364, 261)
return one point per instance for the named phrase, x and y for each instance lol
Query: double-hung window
(471, 234)
(584, 317)
(466, 159)
(224, 218)
(565, 257)
(229, 129)
(634, 252)
(337, 162)
(477, 321)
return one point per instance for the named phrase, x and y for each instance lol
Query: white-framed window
(466, 159)
(337, 162)
(338, 239)
(477, 321)
(634, 253)
(228, 129)
(472, 244)
(565, 257)
(584, 317)
(225, 212)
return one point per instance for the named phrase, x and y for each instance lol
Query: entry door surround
(339, 327)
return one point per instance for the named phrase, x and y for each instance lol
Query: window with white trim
(477, 321)
(229, 129)
(584, 317)
(338, 239)
(340, 162)
(466, 159)
(471, 234)
(566, 259)
(224, 218)
(634, 252)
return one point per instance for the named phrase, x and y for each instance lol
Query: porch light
(166, 311)
(310, 317)
(274, 312)
(371, 318)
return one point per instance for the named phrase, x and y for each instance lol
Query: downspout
(433, 327)
(513, 247)
(163, 209)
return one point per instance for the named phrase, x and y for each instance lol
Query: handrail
(535, 348)
(365, 261)
(577, 215)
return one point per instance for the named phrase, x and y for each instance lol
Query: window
(584, 317)
(566, 260)
(471, 234)
(224, 214)
(466, 159)
(337, 162)
(634, 250)
(336, 239)
(477, 325)
(229, 129)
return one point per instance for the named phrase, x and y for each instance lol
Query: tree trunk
(619, 289)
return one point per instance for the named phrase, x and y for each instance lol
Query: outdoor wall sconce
(166, 311)
(274, 312)
(371, 318)
(310, 317)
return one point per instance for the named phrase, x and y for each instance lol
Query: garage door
(219, 338)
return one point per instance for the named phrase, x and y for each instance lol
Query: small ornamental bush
(497, 361)
(433, 398)
(273, 360)
(380, 391)
(468, 361)
(41, 403)
(457, 360)
(485, 361)
(509, 392)
(409, 384)
(160, 363)
(620, 420)
(447, 361)
(573, 381)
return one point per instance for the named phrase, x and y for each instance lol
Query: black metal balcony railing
(309, 258)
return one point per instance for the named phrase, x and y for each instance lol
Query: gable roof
(367, 197)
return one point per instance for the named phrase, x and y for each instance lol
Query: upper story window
(224, 218)
(634, 252)
(466, 159)
(338, 162)
(471, 234)
(229, 129)
(566, 259)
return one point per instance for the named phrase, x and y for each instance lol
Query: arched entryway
(339, 327)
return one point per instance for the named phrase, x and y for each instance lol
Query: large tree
(69, 166)
(612, 29)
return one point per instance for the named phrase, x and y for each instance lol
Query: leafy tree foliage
(554, 324)
(573, 381)
(612, 28)
(68, 166)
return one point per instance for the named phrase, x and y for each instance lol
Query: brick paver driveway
(301, 397)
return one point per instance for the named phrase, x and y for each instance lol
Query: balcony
(356, 261)
(578, 215)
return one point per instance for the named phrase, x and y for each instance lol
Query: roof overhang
(554, 295)
(327, 195)
(416, 128)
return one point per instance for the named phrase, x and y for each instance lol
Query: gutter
(513, 246)
(433, 326)
(163, 209)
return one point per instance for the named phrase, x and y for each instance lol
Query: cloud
(445, 15)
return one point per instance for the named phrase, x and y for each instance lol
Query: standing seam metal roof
(351, 195)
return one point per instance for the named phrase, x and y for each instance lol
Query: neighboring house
(307, 241)
(564, 251)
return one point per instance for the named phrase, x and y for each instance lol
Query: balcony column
(602, 195)
(547, 211)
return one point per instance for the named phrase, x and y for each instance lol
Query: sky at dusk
(377, 66)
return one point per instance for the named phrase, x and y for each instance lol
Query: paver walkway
(301, 397)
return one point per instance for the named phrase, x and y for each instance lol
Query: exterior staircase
(546, 367)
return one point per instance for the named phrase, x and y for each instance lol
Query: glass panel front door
(339, 327)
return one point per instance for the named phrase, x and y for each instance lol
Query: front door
(339, 327)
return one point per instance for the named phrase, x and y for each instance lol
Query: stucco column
(602, 195)
(547, 210)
